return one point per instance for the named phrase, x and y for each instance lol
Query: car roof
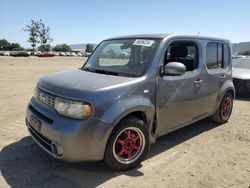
(166, 35)
(156, 36)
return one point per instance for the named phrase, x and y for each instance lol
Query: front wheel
(127, 145)
(225, 109)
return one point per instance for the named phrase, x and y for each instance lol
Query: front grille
(45, 142)
(45, 97)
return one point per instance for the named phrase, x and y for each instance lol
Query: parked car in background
(68, 53)
(87, 54)
(238, 56)
(37, 53)
(79, 54)
(62, 54)
(20, 54)
(72, 54)
(113, 108)
(241, 75)
(30, 52)
(6, 53)
(46, 54)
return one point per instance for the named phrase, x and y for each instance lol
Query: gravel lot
(203, 154)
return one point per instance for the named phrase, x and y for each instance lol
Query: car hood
(82, 85)
(243, 74)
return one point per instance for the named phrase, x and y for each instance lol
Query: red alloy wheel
(226, 108)
(129, 145)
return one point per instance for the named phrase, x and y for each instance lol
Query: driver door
(178, 98)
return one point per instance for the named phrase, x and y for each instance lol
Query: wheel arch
(231, 91)
(227, 87)
(139, 114)
(146, 115)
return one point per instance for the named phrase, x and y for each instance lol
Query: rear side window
(214, 55)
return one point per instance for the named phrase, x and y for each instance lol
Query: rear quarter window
(216, 55)
(211, 56)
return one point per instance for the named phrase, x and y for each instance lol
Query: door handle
(222, 77)
(198, 81)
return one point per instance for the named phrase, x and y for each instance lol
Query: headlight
(73, 109)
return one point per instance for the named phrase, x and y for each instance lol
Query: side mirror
(173, 69)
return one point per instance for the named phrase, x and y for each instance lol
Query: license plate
(35, 123)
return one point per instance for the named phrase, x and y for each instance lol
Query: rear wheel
(127, 145)
(225, 109)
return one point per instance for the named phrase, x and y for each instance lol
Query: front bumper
(65, 138)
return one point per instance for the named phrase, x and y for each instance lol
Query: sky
(80, 21)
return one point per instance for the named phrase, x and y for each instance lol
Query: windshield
(243, 63)
(124, 57)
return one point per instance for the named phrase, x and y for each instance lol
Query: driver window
(183, 52)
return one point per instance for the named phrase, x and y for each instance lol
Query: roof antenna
(198, 33)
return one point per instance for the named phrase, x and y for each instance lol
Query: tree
(247, 52)
(16, 47)
(66, 48)
(57, 48)
(89, 48)
(5, 45)
(32, 29)
(62, 48)
(38, 33)
(45, 48)
(44, 34)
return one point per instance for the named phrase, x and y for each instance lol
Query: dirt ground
(203, 154)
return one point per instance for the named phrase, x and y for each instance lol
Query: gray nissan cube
(132, 90)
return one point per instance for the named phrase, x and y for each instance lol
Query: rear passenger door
(216, 74)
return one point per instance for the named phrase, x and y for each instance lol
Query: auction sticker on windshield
(143, 42)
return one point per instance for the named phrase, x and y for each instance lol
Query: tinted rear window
(215, 57)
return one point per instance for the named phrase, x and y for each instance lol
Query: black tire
(225, 109)
(127, 145)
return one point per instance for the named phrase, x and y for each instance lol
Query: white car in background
(68, 54)
(73, 54)
(241, 76)
(62, 54)
(87, 54)
(6, 53)
(79, 54)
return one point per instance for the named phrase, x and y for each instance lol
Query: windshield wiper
(88, 69)
(103, 71)
(108, 72)
(100, 71)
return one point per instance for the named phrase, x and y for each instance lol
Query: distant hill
(80, 46)
(240, 47)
